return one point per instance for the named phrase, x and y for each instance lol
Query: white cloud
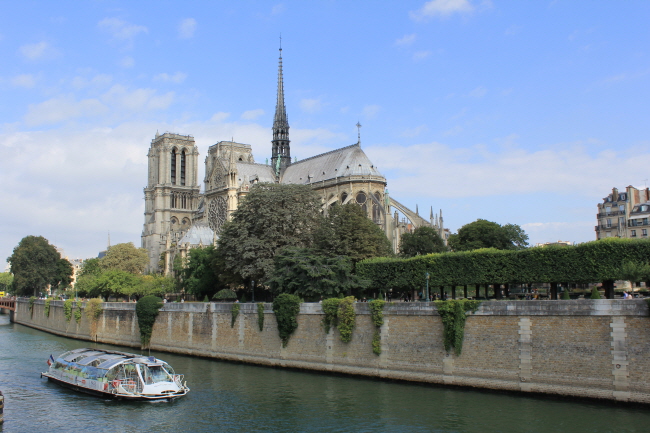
(37, 51)
(61, 109)
(127, 62)
(220, 116)
(122, 31)
(420, 55)
(178, 77)
(310, 105)
(441, 8)
(406, 40)
(137, 100)
(371, 111)
(414, 132)
(98, 81)
(278, 9)
(479, 92)
(186, 28)
(252, 114)
(24, 80)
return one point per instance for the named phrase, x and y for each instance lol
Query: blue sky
(516, 112)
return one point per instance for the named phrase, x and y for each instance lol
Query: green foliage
(90, 267)
(34, 265)
(32, 300)
(147, 309)
(260, 316)
(377, 316)
(453, 318)
(286, 308)
(234, 312)
(304, 272)
(590, 262)
(330, 308)
(125, 257)
(269, 218)
(565, 295)
(77, 312)
(423, 240)
(46, 309)
(93, 309)
(487, 234)
(206, 299)
(114, 282)
(63, 275)
(67, 309)
(595, 294)
(635, 271)
(144, 285)
(347, 231)
(6, 280)
(346, 318)
(198, 274)
(224, 295)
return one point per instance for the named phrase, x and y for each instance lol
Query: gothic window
(361, 198)
(173, 166)
(186, 221)
(218, 174)
(174, 221)
(183, 167)
(173, 200)
(217, 214)
(376, 212)
(344, 197)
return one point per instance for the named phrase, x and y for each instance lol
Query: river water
(228, 397)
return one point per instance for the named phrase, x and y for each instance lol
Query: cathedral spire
(281, 154)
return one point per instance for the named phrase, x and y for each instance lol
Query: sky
(516, 112)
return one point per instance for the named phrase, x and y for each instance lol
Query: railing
(8, 304)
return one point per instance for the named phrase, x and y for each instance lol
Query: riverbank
(585, 348)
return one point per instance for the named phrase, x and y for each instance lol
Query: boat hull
(111, 395)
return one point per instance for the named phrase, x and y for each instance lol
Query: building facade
(624, 214)
(178, 217)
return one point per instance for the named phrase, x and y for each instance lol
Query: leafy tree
(269, 218)
(34, 264)
(86, 284)
(487, 234)
(423, 240)
(304, 272)
(147, 310)
(347, 231)
(6, 279)
(114, 283)
(91, 267)
(198, 274)
(125, 257)
(63, 276)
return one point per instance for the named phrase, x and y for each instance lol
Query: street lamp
(253, 289)
(427, 275)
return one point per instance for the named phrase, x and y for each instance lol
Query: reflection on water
(229, 397)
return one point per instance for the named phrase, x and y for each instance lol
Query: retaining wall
(583, 348)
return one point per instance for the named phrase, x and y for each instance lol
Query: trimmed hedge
(590, 262)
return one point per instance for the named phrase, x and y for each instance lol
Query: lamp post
(253, 289)
(427, 276)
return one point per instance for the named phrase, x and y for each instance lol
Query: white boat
(115, 374)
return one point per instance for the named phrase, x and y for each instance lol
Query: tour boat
(115, 374)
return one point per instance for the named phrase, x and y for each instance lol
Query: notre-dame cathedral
(178, 216)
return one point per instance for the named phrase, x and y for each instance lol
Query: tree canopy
(487, 234)
(125, 257)
(63, 275)
(198, 276)
(423, 240)
(5, 281)
(269, 218)
(34, 264)
(347, 231)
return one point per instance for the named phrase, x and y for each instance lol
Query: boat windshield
(154, 374)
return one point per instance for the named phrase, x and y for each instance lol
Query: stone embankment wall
(583, 348)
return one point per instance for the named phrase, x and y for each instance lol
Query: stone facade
(589, 348)
(624, 214)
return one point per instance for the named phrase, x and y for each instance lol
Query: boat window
(154, 374)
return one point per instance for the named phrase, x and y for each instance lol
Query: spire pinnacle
(281, 154)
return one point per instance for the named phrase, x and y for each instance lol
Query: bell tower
(171, 194)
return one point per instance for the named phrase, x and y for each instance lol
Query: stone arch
(173, 165)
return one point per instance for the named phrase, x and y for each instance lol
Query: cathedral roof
(198, 234)
(248, 172)
(343, 162)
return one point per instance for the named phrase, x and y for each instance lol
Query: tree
(347, 231)
(63, 276)
(125, 257)
(198, 274)
(91, 267)
(6, 279)
(304, 272)
(487, 234)
(114, 282)
(269, 218)
(34, 264)
(423, 240)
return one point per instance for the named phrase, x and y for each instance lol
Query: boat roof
(108, 358)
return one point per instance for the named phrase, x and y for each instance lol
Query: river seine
(227, 397)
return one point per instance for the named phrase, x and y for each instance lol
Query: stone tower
(281, 153)
(171, 195)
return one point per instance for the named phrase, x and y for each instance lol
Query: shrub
(595, 294)
(346, 318)
(147, 310)
(565, 295)
(260, 316)
(377, 316)
(67, 309)
(77, 312)
(224, 295)
(93, 309)
(286, 308)
(453, 318)
(47, 307)
(234, 312)
(206, 299)
(331, 309)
